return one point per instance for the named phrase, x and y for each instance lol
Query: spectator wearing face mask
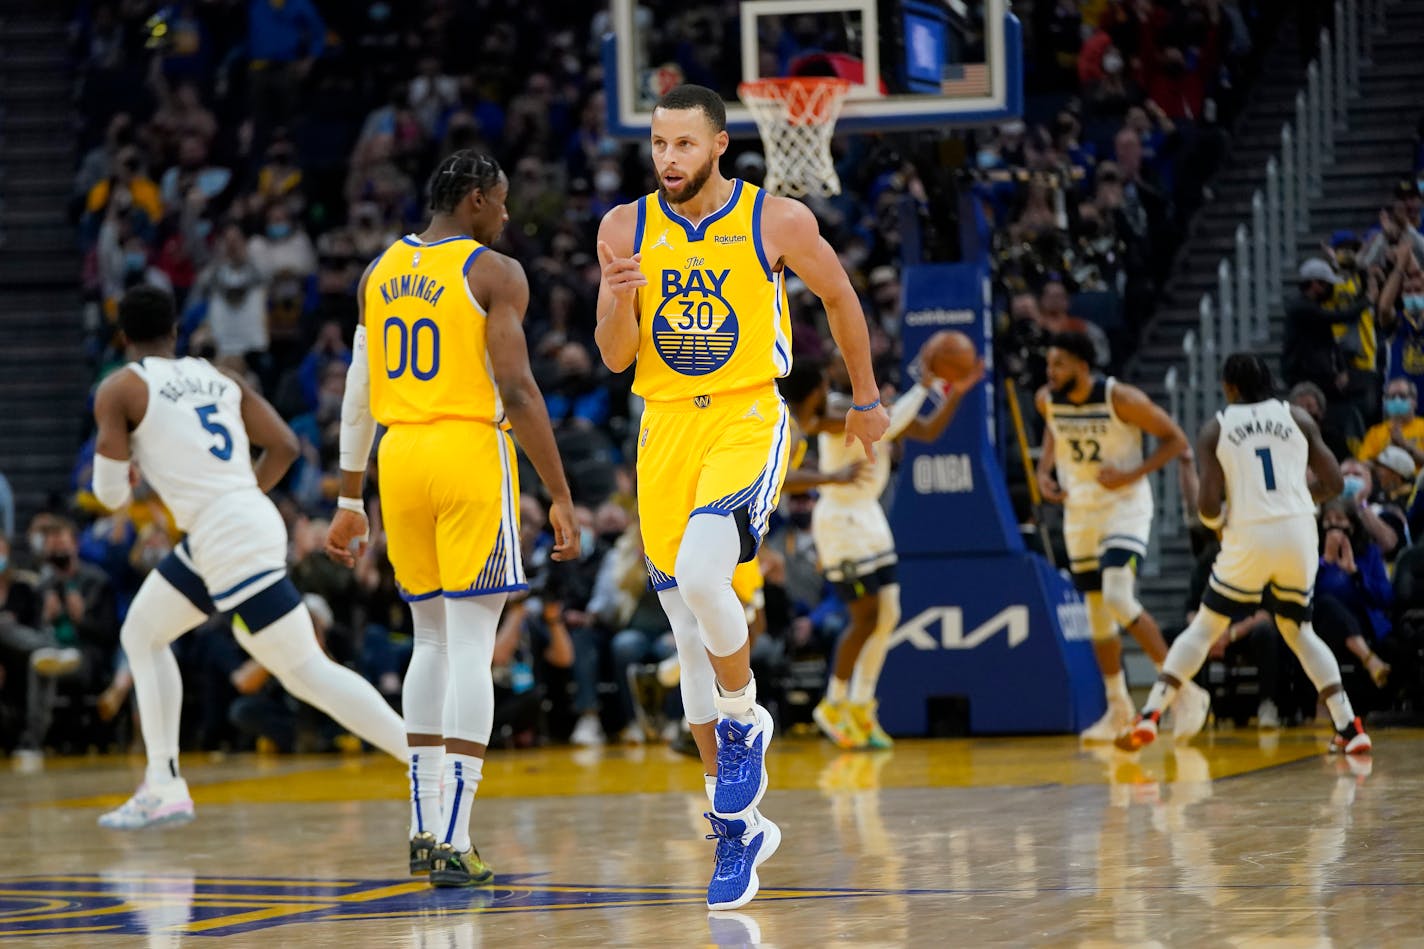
(235, 288)
(1401, 315)
(1402, 427)
(1310, 353)
(1383, 522)
(1353, 594)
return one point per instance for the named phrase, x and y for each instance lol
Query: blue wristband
(867, 407)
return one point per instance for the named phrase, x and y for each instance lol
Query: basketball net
(796, 118)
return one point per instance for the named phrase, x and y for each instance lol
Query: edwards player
(693, 292)
(445, 368)
(1094, 441)
(1258, 452)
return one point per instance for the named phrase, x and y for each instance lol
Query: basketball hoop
(796, 118)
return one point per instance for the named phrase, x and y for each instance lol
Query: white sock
(837, 690)
(462, 779)
(739, 705)
(1115, 685)
(709, 782)
(426, 768)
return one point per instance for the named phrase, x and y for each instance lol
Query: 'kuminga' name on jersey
(1265, 427)
(411, 285)
(196, 387)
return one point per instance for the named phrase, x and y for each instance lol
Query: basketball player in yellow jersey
(693, 293)
(446, 370)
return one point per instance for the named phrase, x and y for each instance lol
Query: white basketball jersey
(191, 446)
(832, 454)
(1089, 435)
(1265, 457)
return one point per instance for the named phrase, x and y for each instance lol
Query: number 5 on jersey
(223, 450)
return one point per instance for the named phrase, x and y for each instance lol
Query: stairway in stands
(1370, 157)
(43, 375)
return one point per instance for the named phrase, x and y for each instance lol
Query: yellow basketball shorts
(450, 503)
(725, 453)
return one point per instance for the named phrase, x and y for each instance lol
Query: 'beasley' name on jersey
(195, 387)
(1267, 427)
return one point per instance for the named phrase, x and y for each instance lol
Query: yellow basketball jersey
(425, 336)
(713, 317)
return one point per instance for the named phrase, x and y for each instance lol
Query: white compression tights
(698, 680)
(423, 693)
(289, 650)
(159, 614)
(705, 562)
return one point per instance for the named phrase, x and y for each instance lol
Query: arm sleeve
(358, 428)
(904, 411)
(111, 482)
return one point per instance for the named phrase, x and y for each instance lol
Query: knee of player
(1120, 595)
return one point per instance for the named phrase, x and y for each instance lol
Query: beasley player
(693, 292)
(446, 369)
(1094, 440)
(187, 426)
(854, 543)
(1258, 453)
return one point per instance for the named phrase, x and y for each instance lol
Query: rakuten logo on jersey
(943, 474)
(949, 622)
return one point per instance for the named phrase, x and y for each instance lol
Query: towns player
(693, 291)
(187, 427)
(1094, 439)
(853, 540)
(1259, 452)
(446, 371)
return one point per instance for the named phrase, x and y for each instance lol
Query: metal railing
(1250, 284)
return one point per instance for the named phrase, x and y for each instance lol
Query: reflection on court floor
(1025, 840)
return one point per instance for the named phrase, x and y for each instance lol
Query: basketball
(949, 355)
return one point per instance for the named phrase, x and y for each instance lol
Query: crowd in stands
(252, 156)
(1351, 358)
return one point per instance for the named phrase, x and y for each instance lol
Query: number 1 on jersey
(1268, 470)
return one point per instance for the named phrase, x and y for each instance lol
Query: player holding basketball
(853, 539)
(187, 426)
(693, 293)
(447, 372)
(1094, 438)
(1259, 452)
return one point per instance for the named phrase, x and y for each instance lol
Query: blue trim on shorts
(185, 581)
(418, 597)
(711, 509)
(467, 594)
(269, 605)
(669, 584)
(255, 578)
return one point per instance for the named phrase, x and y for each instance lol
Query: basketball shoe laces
(734, 752)
(731, 855)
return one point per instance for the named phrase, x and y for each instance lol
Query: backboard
(912, 63)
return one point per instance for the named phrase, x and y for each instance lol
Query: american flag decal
(965, 80)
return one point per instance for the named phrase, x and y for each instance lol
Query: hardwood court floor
(1236, 840)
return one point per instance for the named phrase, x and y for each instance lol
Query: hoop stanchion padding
(796, 118)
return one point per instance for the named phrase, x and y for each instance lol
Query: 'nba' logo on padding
(695, 330)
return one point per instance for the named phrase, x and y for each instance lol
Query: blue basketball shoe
(740, 850)
(741, 763)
